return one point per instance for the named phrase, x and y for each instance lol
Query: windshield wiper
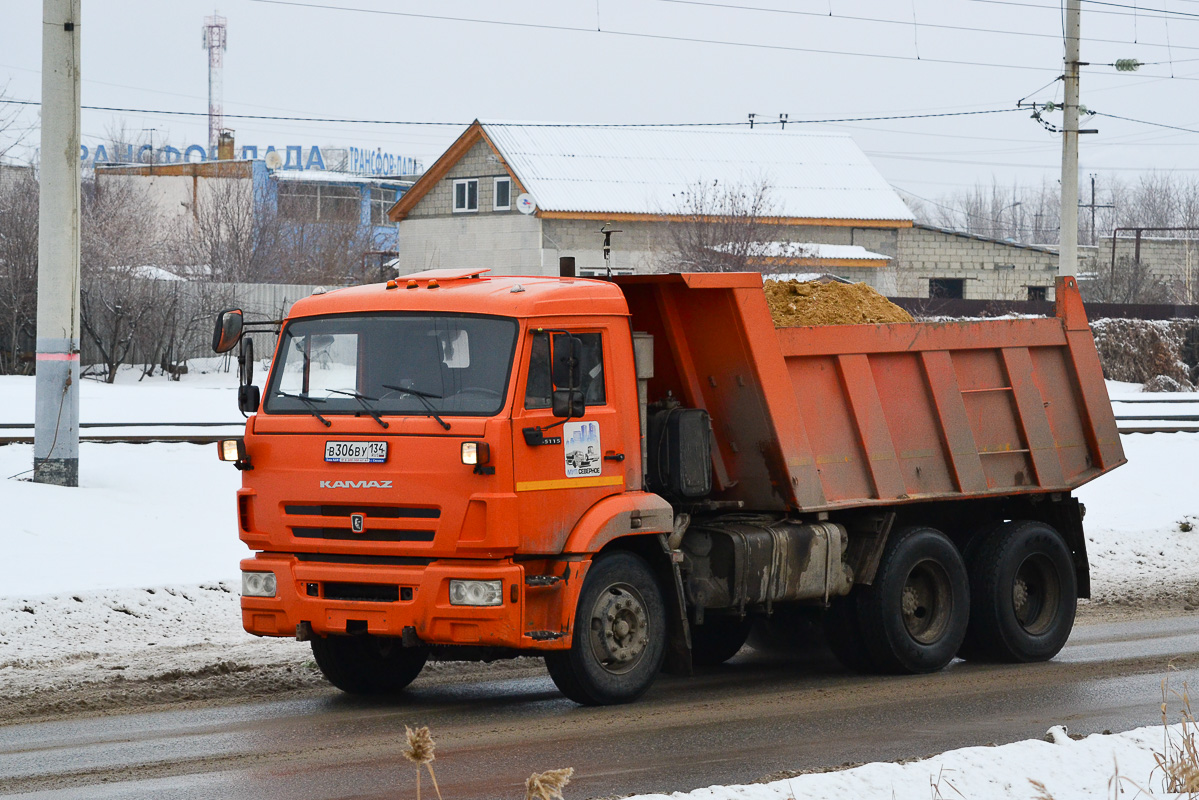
(310, 402)
(361, 398)
(424, 398)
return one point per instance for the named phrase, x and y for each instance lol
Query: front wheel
(368, 664)
(913, 617)
(619, 634)
(1023, 594)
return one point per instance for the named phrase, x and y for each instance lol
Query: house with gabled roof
(531, 198)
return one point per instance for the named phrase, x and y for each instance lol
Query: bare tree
(121, 240)
(18, 268)
(1130, 281)
(234, 235)
(716, 228)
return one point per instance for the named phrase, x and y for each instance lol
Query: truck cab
(408, 479)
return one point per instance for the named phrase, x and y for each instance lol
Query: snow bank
(1068, 770)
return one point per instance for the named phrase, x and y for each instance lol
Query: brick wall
(507, 244)
(1174, 261)
(479, 162)
(990, 270)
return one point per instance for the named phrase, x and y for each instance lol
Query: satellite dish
(273, 159)
(525, 204)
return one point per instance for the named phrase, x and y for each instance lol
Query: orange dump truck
(621, 476)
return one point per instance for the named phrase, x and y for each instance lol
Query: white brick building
(823, 191)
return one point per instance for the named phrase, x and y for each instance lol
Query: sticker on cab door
(581, 445)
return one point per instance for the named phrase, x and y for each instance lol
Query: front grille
(365, 536)
(381, 512)
(343, 558)
(368, 592)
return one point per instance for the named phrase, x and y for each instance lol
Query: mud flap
(678, 645)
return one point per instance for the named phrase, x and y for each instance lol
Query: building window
(949, 288)
(503, 194)
(466, 195)
(318, 202)
(1038, 293)
(381, 200)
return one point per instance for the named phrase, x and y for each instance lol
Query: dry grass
(548, 785)
(1178, 760)
(419, 750)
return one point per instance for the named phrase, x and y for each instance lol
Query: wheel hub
(621, 627)
(925, 602)
(1020, 597)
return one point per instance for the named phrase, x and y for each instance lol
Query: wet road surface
(754, 716)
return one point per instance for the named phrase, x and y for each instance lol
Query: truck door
(563, 467)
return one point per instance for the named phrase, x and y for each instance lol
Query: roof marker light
(433, 284)
(392, 284)
(412, 284)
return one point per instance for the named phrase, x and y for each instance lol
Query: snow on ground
(1068, 770)
(131, 580)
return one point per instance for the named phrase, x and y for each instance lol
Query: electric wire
(927, 25)
(658, 36)
(740, 123)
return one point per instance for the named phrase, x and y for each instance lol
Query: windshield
(394, 364)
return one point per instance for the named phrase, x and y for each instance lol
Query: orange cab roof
(471, 291)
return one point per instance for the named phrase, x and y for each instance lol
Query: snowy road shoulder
(1065, 769)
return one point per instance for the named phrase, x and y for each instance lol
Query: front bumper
(535, 618)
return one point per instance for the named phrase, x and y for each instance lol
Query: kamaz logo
(355, 484)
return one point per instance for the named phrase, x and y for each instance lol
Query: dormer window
(466, 195)
(503, 194)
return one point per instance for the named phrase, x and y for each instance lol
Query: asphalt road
(737, 723)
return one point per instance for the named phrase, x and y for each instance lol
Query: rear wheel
(1023, 594)
(913, 617)
(368, 664)
(619, 634)
(718, 640)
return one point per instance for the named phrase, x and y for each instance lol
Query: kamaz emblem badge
(357, 523)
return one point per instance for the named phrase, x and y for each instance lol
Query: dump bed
(828, 417)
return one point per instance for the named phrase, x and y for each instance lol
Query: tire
(1023, 594)
(619, 639)
(843, 632)
(913, 617)
(718, 640)
(368, 664)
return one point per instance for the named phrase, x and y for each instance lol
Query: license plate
(356, 452)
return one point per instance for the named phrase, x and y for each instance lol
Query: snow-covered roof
(643, 170)
(323, 176)
(804, 277)
(814, 250)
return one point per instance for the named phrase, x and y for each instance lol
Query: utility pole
(1068, 249)
(56, 428)
(1093, 205)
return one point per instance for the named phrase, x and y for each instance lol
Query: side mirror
(568, 403)
(245, 363)
(248, 398)
(228, 330)
(567, 361)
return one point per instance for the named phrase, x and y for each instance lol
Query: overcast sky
(649, 61)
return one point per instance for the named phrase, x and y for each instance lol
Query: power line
(656, 36)
(1186, 17)
(930, 25)
(537, 124)
(1146, 122)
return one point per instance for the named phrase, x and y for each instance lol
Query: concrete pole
(56, 432)
(1068, 253)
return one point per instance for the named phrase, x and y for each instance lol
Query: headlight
(258, 584)
(476, 593)
(474, 453)
(231, 450)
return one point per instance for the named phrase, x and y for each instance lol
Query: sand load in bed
(795, 303)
